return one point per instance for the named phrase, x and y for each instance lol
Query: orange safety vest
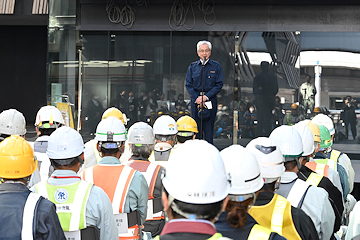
(116, 190)
(150, 171)
(319, 168)
(276, 216)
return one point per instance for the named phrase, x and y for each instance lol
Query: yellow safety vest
(331, 163)
(288, 120)
(276, 215)
(314, 179)
(70, 201)
(259, 233)
(335, 154)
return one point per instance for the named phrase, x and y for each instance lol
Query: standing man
(265, 87)
(79, 204)
(204, 79)
(24, 215)
(48, 119)
(307, 94)
(294, 117)
(350, 116)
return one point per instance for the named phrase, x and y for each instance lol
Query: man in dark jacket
(350, 116)
(24, 215)
(204, 80)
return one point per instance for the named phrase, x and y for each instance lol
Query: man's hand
(200, 99)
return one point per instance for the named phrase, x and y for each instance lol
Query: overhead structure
(284, 49)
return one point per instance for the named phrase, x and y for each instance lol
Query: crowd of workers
(161, 183)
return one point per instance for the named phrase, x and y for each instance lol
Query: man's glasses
(207, 50)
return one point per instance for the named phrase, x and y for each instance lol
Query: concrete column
(318, 70)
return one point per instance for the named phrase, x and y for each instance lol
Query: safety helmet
(289, 141)
(110, 129)
(113, 112)
(47, 116)
(294, 106)
(325, 137)
(326, 121)
(195, 173)
(186, 124)
(16, 158)
(306, 137)
(141, 133)
(165, 125)
(317, 110)
(242, 169)
(12, 122)
(269, 157)
(314, 128)
(64, 143)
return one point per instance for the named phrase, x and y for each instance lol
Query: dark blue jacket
(213, 80)
(223, 227)
(13, 197)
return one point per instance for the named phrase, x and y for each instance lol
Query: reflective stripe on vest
(70, 201)
(297, 192)
(314, 179)
(116, 190)
(264, 215)
(277, 218)
(96, 152)
(28, 216)
(335, 154)
(319, 168)
(259, 233)
(331, 163)
(150, 172)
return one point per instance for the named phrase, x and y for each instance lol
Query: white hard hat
(195, 173)
(269, 157)
(289, 141)
(49, 114)
(110, 129)
(65, 143)
(165, 125)
(141, 133)
(242, 169)
(12, 122)
(322, 119)
(306, 137)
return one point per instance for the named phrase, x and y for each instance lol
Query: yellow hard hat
(314, 128)
(113, 112)
(16, 158)
(186, 124)
(317, 110)
(294, 106)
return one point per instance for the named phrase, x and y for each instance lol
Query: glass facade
(143, 73)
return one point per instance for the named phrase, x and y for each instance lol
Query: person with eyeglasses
(204, 80)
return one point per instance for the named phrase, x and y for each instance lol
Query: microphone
(203, 63)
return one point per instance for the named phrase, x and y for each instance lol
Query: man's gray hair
(144, 150)
(201, 43)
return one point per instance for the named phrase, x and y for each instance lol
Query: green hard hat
(325, 137)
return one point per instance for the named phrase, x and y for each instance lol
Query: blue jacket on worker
(44, 224)
(213, 82)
